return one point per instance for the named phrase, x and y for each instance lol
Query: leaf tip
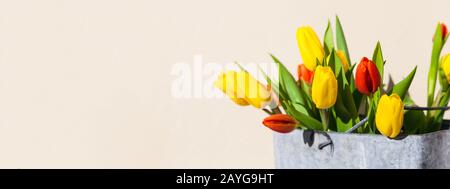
(337, 18)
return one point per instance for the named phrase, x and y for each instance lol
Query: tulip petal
(226, 83)
(367, 77)
(310, 47)
(254, 92)
(445, 65)
(343, 59)
(281, 123)
(324, 88)
(389, 115)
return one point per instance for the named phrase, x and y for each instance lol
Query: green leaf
(351, 79)
(274, 85)
(439, 115)
(305, 120)
(342, 125)
(408, 101)
(377, 58)
(331, 61)
(289, 85)
(390, 84)
(306, 89)
(340, 39)
(434, 65)
(341, 110)
(240, 67)
(370, 124)
(357, 96)
(350, 103)
(345, 87)
(332, 120)
(328, 39)
(337, 68)
(352, 67)
(414, 121)
(401, 88)
(344, 109)
(446, 98)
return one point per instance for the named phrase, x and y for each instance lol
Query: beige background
(86, 83)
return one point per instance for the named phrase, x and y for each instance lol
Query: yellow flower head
(243, 89)
(445, 65)
(389, 115)
(324, 88)
(310, 47)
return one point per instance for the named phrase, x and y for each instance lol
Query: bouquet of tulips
(327, 96)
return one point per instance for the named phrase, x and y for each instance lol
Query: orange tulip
(281, 123)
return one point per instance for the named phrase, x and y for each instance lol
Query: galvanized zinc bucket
(306, 149)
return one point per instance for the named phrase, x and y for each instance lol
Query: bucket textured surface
(370, 151)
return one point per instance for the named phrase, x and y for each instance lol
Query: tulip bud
(343, 59)
(389, 115)
(445, 65)
(444, 31)
(281, 123)
(310, 47)
(367, 77)
(243, 89)
(324, 88)
(304, 74)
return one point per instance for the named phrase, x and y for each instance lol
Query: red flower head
(367, 77)
(281, 123)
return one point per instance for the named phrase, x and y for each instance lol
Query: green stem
(367, 126)
(324, 117)
(438, 116)
(437, 101)
(276, 110)
(363, 102)
(370, 114)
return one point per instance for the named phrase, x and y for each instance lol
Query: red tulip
(304, 74)
(281, 123)
(367, 77)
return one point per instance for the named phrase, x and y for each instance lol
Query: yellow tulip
(228, 84)
(243, 89)
(324, 88)
(445, 65)
(389, 115)
(310, 47)
(343, 59)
